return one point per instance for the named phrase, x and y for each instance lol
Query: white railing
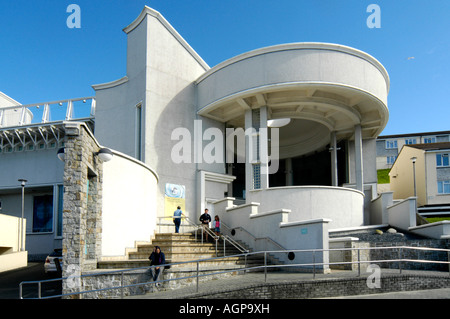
(313, 265)
(70, 109)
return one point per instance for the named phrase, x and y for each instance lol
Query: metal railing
(47, 112)
(199, 228)
(310, 266)
(267, 240)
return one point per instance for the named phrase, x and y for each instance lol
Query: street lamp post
(413, 159)
(22, 182)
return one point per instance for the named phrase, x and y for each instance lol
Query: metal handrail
(267, 239)
(314, 264)
(211, 233)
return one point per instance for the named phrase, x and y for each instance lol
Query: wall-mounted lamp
(61, 154)
(105, 154)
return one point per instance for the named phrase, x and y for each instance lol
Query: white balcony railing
(71, 109)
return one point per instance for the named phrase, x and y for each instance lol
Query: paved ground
(9, 284)
(10, 281)
(248, 279)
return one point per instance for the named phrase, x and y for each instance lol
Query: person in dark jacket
(157, 257)
(205, 219)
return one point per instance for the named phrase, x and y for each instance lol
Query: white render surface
(344, 207)
(129, 206)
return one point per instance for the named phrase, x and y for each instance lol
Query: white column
(248, 153)
(263, 147)
(359, 177)
(334, 170)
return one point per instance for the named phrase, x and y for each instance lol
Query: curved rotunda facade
(314, 111)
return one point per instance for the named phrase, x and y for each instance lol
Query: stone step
(188, 263)
(182, 247)
(187, 249)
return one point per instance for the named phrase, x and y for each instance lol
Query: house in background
(389, 146)
(423, 171)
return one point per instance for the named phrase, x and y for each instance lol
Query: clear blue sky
(41, 59)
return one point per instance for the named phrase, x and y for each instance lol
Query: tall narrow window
(442, 160)
(443, 187)
(139, 131)
(43, 214)
(59, 220)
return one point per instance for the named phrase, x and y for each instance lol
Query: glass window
(410, 141)
(391, 159)
(442, 160)
(256, 176)
(43, 214)
(391, 144)
(427, 140)
(60, 210)
(443, 187)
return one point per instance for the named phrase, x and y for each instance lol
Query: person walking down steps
(217, 225)
(157, 258)
(177, 219)
(205, 219)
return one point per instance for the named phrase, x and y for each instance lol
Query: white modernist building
(279, 142)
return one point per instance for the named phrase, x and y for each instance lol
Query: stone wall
(82, 204)
(329, 288)
(377, 256)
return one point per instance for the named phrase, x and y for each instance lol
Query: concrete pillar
(334, 167)
(248, 153)
(359, 178)
(82, 202)
(263, 147)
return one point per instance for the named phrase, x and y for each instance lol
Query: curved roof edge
(149, 11)
(111, 84)
(297, 46)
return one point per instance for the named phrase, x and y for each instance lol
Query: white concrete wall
(298, 62)
(10, 233)
(343, 206)
(440, 230)
(267, 230)
(378, 208)
(129, 205)
(402, 215)
(161, 68)
(11, 256)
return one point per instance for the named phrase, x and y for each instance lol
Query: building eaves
(382, 137)
(431, 146)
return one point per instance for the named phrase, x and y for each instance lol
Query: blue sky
(41, 59)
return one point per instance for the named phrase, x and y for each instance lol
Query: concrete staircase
(183, 247)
